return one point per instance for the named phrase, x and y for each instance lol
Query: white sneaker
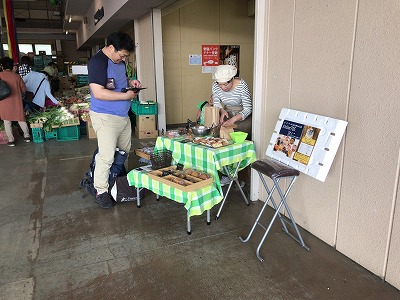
(224, 180)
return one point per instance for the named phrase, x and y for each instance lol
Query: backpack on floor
(117, 169)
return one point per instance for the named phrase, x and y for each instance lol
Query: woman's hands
(223, 115)
(230, 121)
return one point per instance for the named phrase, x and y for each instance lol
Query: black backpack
(117, 169)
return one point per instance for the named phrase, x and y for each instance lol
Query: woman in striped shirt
(232, 96)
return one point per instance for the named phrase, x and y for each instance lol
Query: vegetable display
(50, 118)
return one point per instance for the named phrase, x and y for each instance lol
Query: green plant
(52, 117)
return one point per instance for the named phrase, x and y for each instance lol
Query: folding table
(195, 202)
(228, 159)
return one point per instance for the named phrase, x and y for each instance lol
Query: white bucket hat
(224, 73)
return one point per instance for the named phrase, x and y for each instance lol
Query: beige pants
(9, 133)
(112, 132)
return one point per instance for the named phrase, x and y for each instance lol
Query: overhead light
(66, 32)
(70, 19)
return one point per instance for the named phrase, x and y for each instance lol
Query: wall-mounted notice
(210, 57)
(194, 59)
(305, 141)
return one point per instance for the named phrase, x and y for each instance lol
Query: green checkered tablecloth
(195, 202)
(208, 159)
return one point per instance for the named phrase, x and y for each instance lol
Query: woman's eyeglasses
(224, 84)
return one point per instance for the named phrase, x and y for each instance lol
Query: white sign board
(79, 70)
(306, 142)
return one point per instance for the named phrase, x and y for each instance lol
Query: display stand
(301, 142)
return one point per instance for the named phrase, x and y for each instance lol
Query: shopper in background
(37, 81)
(15, 68)
(24, 66)
(232, 96)
(11, 108)
(109, 107)
(52, 72)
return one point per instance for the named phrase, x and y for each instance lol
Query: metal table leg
(189, 229)
(233, 178)
(138, 197)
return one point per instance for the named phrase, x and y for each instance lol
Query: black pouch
(121, 191)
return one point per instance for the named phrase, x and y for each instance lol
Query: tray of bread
(213, 142)
(186, 180)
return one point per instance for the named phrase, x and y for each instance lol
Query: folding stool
(276, 171)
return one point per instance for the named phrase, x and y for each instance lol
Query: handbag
(4, 90)
(28, 97)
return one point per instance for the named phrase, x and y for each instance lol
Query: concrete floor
(54, 244)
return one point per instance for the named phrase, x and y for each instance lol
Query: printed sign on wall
(210, 57)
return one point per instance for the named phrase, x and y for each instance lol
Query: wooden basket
(191, 183)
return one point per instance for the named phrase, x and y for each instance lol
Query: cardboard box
(146, 122)
(91, 134)
(146, 134)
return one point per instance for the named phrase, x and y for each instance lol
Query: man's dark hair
(25, 60)
(7, 63)
(121, 41)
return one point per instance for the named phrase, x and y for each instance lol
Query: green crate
(37, 135)
(69, 133)
(50, 135)
(139, 108)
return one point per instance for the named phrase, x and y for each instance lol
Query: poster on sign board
(305, 141)
(296, 141)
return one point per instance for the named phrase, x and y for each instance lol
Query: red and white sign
(210, 55)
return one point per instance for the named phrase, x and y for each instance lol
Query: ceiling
(133, 9)
(42, 20)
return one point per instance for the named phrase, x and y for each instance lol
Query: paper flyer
(296, 141)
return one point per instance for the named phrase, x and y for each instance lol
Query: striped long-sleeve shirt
(240, 95)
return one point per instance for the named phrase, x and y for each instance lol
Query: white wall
(340, 59)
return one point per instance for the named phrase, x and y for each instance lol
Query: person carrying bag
(4, 90)
(29, 96)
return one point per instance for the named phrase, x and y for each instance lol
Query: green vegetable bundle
(51, 117)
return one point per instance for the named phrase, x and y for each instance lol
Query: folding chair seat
(276, 171)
